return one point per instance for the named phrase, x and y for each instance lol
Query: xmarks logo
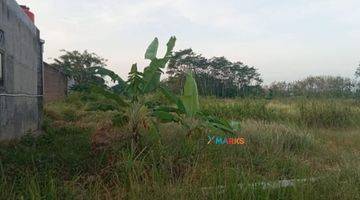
(219, 140)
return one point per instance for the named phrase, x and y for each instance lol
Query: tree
(280, 89)
(85, 68)
(181, 62)
(216, 76)
(357, 83)
(357, 72)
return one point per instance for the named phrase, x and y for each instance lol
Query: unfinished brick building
(55, 84)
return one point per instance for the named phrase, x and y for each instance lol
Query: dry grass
(64, 163)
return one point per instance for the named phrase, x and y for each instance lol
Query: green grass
(310, 113)
(281, 143)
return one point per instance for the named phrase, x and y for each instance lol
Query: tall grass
(239, 109)
(327, 113)
(308, 113)
(281, 143)
(60, 164)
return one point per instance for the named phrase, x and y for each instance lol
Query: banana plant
(153, 72)
(187, 107)
(135, 82)
(141, 83)
(190, 97)
(149, 80)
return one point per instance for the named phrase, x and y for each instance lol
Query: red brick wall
(55, 84)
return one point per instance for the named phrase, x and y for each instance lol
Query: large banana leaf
(217, 123)
(165, 116)
(170, 46)
(152, 75)
(173, 99)
(105, 72)
(135, 82)
(153, 72)
(190, 97)
(152, 50)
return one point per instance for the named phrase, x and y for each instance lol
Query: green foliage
(152, 76)
(153, 72)
(108, 94)
(135, 82)
(139, 83)
(190, 97)
(173, 99)
(315, 87)
(85, 68)
(216, 76)
(119, 120)
(165, 116)
(188, 110)
(170, 46)
(69, 115)
(151, 51)
(102, 105)
(120, 88)
(221, 124)
(94, 93)
(103, 72)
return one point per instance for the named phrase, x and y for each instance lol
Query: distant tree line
(315, 86)
(216, 76)
(357, 73)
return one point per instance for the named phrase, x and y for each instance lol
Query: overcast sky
(284, 39)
